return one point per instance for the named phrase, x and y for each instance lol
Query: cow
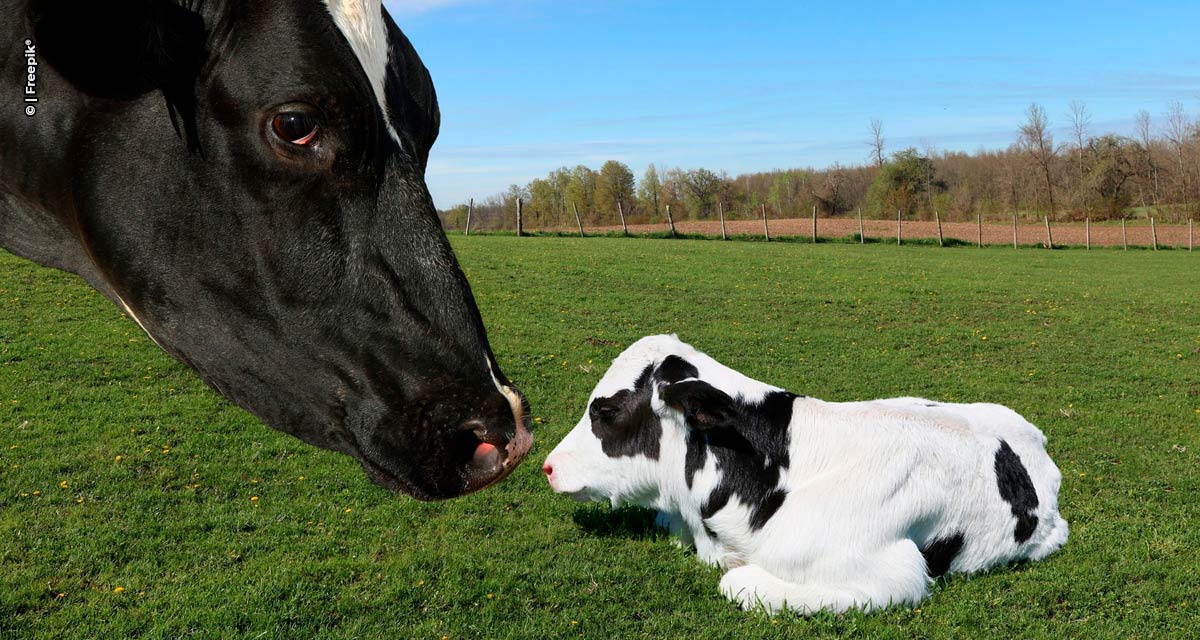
(245, 180)
(810, 505)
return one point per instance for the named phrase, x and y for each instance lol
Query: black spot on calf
(940, 553)
(1017, 490)
(751, 453)
(624, 422)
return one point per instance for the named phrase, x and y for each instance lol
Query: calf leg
(893, 575)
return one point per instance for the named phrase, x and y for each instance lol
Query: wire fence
(1015, 230)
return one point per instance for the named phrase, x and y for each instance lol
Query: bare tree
(1146, 138)
(1179, 130)
(930, 152)
(1036, 140)
(877, 142)
(1080, 119)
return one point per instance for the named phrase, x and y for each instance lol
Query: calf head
(247, 181)
(647, 424)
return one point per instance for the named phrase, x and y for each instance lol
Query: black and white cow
(246, 181)
(811, 505)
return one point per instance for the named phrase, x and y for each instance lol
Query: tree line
(1155, 171)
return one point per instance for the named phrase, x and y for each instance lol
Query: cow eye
(296, 127)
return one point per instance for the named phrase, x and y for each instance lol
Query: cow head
(248, 181)
(646, 414)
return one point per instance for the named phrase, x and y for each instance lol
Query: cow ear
(410, 90)
(704, 407)
(122, 49)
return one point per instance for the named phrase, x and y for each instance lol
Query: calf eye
(296, 127)
(600, 410)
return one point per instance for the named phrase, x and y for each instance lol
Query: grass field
(134, 502)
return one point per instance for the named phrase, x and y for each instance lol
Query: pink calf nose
(547, 469)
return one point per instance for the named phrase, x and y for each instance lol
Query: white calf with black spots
(811, 505)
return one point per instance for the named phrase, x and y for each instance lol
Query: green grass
(1100, 349)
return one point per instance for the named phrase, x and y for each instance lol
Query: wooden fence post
(1087, 231)
(470, 208)
(766, 232)
(979, 230)
(814, 224)
(578, 220)
(937, 217)
(1049, 237)
(1153, 234)
(899, 226)
(862, 238)
(520, 228)
(1124, 238)
(1014, 231)
(621, 211)
(721, 213)
(671, 221)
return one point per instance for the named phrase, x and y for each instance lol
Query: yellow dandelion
(117, 459)
(119, 590)
(420, 583)
(348, 510)
(254, 499)
(574, 623)
(37, 493)
(301, 478)
(490, 596)
(64, 484)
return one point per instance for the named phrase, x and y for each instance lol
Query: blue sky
(526, 86)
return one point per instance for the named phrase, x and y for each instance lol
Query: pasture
(134, 502)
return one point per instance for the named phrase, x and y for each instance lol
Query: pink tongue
(486, 455)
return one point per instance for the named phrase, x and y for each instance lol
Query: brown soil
(1064, 233)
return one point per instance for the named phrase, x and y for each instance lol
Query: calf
(811, 505)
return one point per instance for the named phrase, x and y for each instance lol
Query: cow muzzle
(495, 453)
(444, 447)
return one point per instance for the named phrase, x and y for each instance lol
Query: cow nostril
(547, 469)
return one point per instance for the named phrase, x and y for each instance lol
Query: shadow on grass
(625, 522)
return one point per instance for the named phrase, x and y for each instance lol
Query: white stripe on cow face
(361, 22)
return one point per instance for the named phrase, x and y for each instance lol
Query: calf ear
(410, 91)
(704, 406)
(122, 49)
